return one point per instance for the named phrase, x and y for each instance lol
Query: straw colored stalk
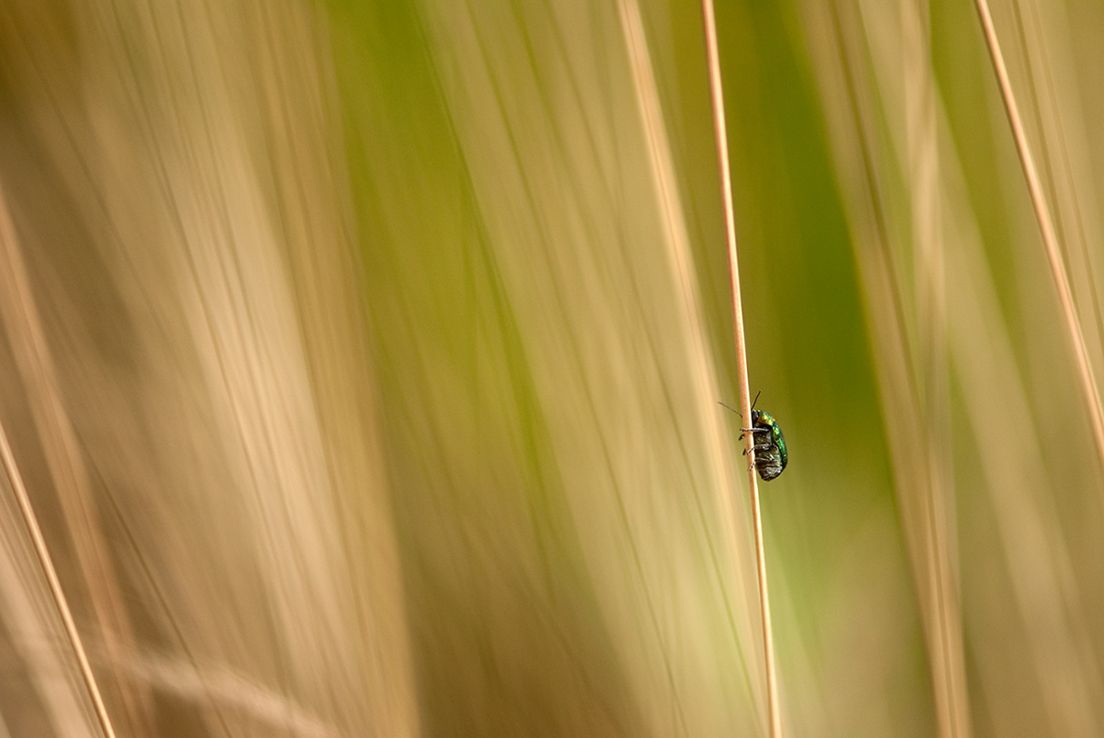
(1057, 117)
(721, 138)
(636, 415)
(977, 343)
(18, 304)
(1052, 660)
(912, 383)
(942, 613)
(1056, 661)
(681, 261)
(1047, 230)
(205, 190)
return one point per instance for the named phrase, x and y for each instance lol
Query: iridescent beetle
(771, 455)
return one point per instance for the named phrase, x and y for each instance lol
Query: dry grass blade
(47, 564)
(1066, 192)
(1046, 227)
(942, 610)
(920, 150)
(681, 264)
(721, 136)
(7, 243)
(860, 77)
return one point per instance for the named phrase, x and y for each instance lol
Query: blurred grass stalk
(372, 389)
(910, 353)
(1046, 227)
(720, 134)
(892, 140)
(200, 443)
(23, 325)
(264, 411)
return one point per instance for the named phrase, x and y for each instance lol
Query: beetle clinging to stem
(768, 445)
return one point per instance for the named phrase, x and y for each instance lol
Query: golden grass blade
(721, 137)
(681, 264)
(233, 286)
(917, 146)
(912, 374)
(1034, 555)
(1046, 227)
(11, 469)
(680, 259)
(943, 612)
(42, 552)
(1065, 193)
(562, 253)
(1056, 651)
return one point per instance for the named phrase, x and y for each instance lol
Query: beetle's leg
(752, 431)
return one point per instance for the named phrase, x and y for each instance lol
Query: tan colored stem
(42, 553)
(721, 136)
(1046, 227)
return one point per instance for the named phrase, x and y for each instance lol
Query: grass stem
(1046, 227)
(721, 136)
(42, 552)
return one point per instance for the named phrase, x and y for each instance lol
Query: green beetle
(771, 455)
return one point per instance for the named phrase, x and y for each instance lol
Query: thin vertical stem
(43, 555)
(14, 270)
(1046, 227)
(720, 134)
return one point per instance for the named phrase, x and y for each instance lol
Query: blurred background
(361, 361)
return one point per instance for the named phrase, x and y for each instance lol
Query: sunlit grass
(385, 342)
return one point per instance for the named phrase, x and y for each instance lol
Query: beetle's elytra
(771, 455)
(768, 444)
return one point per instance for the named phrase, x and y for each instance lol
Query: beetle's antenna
(756, 399)
(729, 407)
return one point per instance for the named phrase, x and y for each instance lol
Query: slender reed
(15, 480)
(7, 237)
(47, 564)
(1046, 227)
(721, 136)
